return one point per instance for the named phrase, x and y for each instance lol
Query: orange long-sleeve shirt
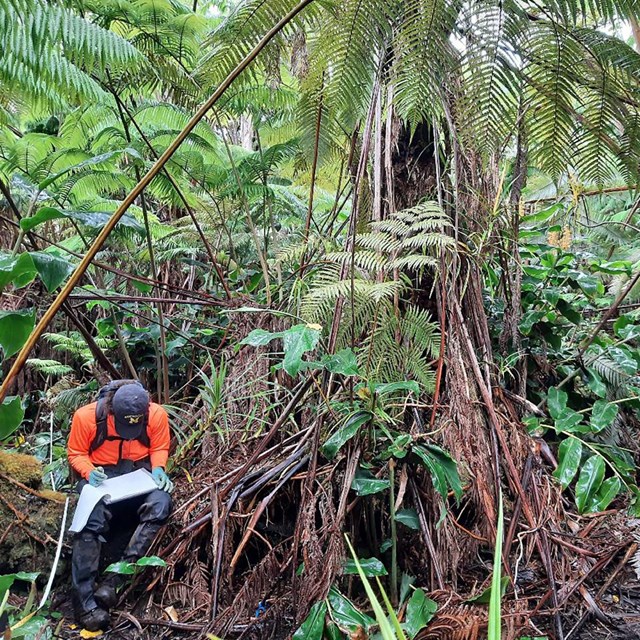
(83, 431)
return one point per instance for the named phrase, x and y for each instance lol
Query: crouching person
(121, 432)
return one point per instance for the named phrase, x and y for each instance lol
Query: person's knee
(98, 522)
(157, 507)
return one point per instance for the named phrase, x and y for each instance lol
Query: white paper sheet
(129, 485)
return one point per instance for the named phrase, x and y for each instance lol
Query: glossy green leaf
(313, 626)
(420, 610)
(536, 219)
(529, 319)
(383, 388)
(259, 338)
(569, 312)
(122, 567)
(595, 383)
(556, 401)
(7, 580)
(53, 269)
(443, 468)
(485, 596)
(343, 362)
(150, 561)
(409, 518)
(347, 431)
(364, 484)
(92, 219)
(609, 489)
(603, 414)
(18, 270)
(297, 341)
(43, 215)
(15, 328)
(11, 416)
(569, 456)
(346, 614)
(589, 481)
(568, 420)
(624, 358)
(370, 566)
(5, 583)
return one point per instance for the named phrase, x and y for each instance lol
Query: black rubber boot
(84, 570)
(141, 540)
(107, 593)
(153, 513)
(95, 620)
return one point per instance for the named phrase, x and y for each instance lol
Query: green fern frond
(49, 367)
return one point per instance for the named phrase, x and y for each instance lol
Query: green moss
(21, 467)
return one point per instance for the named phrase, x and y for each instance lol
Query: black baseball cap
(130, 407)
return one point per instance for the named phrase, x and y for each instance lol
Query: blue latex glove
(162, 479)
(97, 477)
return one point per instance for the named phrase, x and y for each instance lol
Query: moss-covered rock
(29, 520)
(21, 467)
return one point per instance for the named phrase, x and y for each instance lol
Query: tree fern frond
(49, 367)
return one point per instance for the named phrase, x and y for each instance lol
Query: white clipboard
(128, 485)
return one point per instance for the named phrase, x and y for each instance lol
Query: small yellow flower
(553, 238)
(566, 239)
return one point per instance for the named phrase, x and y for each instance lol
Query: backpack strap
(103, 408)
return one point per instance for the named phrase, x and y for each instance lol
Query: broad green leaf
(589, 284)
(150, 561)
(420, 610)
(92, 219)
(5, 583)
(409, 518)
(345, 433)
(27, 576)
(399, 447)
(568, 419)
(19, 270)
(344, 362)
(313, 625)
(31, 628)
(595, 383)
(443, 468)
(15, 328)
(485, 596)
(382, 388)
(609, 489)
(143, 287)
(297, 341)
(603, 414)
(386, 545)
(405, 586)
(529, 319)
(569, 455)
(260, 338)
(541, 216)
(364, 484)
(122, 567)
(370, 566)
(624, 358)
(53, 269)
(568, 311)
(556, 401)
(98, 219)
(346, 614)
(332, 631)
(589, 481)
(43, 215)
(11, 416)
